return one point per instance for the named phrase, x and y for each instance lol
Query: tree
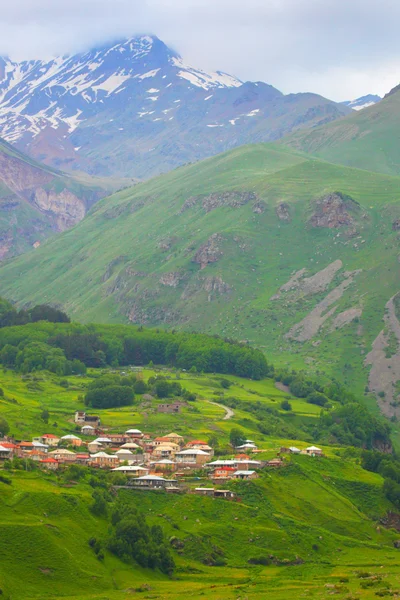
(4, 426)
(285, 405)
(110, 396)
(45, 415)
(237, 437)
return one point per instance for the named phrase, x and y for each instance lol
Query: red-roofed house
(49, 463)
(224, 473)
(49, 439)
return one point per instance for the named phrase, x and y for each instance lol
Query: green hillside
(366, 139)
(296, 255)
(315, 525)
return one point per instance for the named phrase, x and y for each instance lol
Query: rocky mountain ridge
(136, 108)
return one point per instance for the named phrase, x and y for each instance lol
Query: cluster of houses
(151, 462)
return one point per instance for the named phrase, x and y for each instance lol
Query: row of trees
(119, 345)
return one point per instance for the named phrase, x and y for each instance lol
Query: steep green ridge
(366, 139)
(208, 246)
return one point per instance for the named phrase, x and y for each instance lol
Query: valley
(199, 308)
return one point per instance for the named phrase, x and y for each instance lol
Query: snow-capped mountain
(363, 102)
(135, 108)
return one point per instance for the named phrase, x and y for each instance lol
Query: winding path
(229, 413)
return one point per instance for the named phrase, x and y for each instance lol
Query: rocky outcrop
(171, 279)
(396, 225)
(64, 207)
(215, 286)
(308, 327)
(218, 199)
(283, 212)
(346, 317)
(209, 252)
(259, 207)
(315, 284)
(111, 267)
(333, 211)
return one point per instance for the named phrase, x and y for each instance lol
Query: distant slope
(363, 102)
(135, 108)
(208, 247)
(36, 201)
(367, 139)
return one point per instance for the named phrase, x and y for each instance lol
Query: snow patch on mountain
(363, 102)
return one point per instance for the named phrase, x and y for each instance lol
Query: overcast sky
(339, 48)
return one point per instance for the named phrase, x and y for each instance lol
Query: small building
(175, 438)
(245, 475)
(166, 450)
(134, 433)
(223, 473)
(82, 459)
(202, 491)
(103, 441)
(49, 439)
(249, 446)
(172, 408)
(313, 451)
(103, 460)
(130, 446)
(150, 481)
(88, 430)
(224, 494)
(192, 458)
(294, 450)
(132, 470)
(276, 463)
(5, 453)
(164, 465)
(71, 440)
(94, 447)
(63, 456)
(51, 464)
(81, 418)
(117, 438)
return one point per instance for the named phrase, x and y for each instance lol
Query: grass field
(320, 515)
(25, 397)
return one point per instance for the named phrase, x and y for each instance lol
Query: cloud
(341, 49)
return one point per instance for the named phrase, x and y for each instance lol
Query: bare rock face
(171, 279)
(333, 211)
(66, 208)
(209, 252)
(218, 199)
(283, 212)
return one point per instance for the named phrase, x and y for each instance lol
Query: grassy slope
(367, 139)
(323, 511)
(111, 263)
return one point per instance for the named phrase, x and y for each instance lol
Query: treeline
(120, 345)
(9, 316)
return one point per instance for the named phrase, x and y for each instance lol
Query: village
(158, 463)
